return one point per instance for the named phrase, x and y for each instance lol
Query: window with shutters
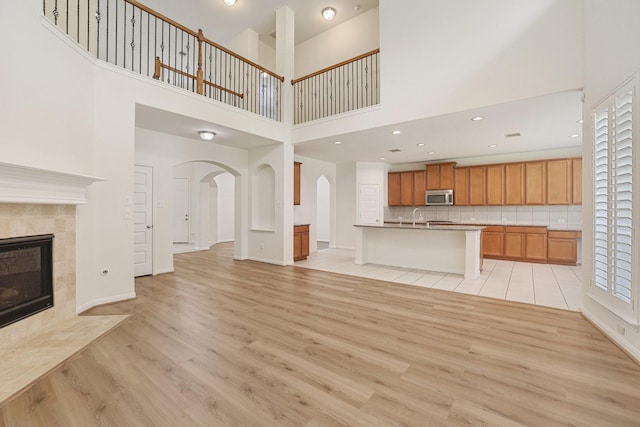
(615, 281)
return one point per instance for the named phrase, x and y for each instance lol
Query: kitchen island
(442, 248)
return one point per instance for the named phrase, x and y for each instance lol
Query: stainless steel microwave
(438, 197)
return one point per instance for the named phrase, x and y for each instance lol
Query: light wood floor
(223, 342)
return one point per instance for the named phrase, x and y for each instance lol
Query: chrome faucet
(414, 215)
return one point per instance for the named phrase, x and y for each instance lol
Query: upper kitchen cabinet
(406, 188)
(477, 185)
(514, 184)
(440, 176)
(576, 167)
(535, 176)
(296, 182)
(461, 186)
(495, 184)
(393, 183)
(559, 182)
(419, 183)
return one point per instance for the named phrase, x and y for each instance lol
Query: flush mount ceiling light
(328, 13)
(229, 2)
(477, 118)
(206, 135)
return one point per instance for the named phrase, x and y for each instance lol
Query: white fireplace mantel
(25, 184)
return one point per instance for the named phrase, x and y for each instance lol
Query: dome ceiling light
(328, 13)
(206, 135)
(229, 2)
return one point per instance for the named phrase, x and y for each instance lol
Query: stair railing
(133, 36)
(343, 87)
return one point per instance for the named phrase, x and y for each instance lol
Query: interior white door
(181, 210)
(143, 220)
(369, 204)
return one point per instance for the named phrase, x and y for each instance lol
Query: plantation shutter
(601, 197)
(622, 197)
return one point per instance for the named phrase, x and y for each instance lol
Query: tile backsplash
(565, 216)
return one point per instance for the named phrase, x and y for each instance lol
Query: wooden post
(156, 74)
(199, 74)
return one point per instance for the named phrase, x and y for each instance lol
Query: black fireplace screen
(26, 277)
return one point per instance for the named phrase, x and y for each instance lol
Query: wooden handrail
(159, 65)
(242, 58)
(333, 67)
(201, 38)
(161, 16)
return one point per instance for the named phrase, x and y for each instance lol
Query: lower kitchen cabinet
(525, 243)
(562, 247)
(493, 241)
(300, 242)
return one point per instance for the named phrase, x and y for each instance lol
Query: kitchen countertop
(555, 227)
(422, 226)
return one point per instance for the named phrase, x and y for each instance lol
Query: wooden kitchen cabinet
(300, 242)
(393, 189)
(525, 243)
(296, 182)
(562, 247)
(514, 184)
(559, 182)
(495, 184)
(440, 176)
(493, 241)
(419, 183)
(406, 188)
(535, 183)
(576, 169)
(477, 185)
(461, 186)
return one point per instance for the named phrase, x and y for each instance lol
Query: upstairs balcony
(135, 37)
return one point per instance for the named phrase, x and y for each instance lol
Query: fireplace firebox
(26, 277)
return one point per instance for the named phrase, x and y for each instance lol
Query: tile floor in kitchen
(548, 285)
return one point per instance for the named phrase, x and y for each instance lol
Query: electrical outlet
(620, 329)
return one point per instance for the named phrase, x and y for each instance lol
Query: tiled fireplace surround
(37, 201)
(18, 220)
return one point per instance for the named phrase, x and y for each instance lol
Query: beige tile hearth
(29, 360)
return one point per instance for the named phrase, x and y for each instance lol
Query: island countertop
(422, 226)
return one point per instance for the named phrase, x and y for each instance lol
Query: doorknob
(149, 226)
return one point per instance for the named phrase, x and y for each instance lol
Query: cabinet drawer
(563, 234)
(526, 230)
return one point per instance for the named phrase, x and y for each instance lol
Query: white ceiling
(260, 15)
(545, 123)
(188, 127)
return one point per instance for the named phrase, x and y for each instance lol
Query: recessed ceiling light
(493, 146)
(328, 13)
(396, 132)
(431, 152)
(337, 142)
(421, 144)
(477, 118)
(381, 158)
(575, 135)
(206, 135)
(229, 2)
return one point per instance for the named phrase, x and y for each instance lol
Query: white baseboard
(163, 271)
(631, 351)
(103, 301)
(268, 261)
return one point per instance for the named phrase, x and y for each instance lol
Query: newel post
(199, 75)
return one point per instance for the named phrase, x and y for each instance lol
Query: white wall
(345, 41)
(306, 212)
(612, 31)
(225, 213)
(324, 207)
(444, 56)
(346, 197)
